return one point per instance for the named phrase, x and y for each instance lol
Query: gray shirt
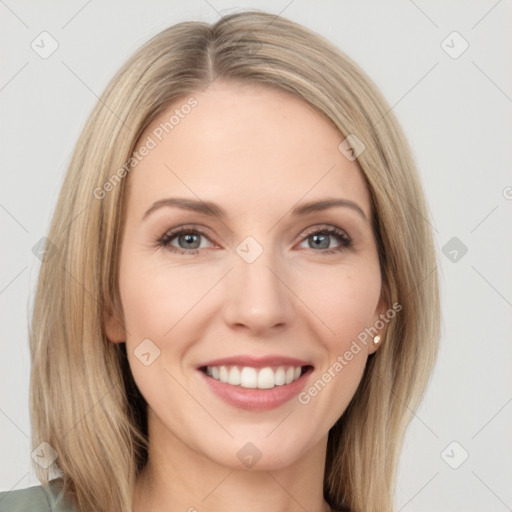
(36, 499)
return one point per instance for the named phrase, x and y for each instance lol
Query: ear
(114, 325)
(378, 320)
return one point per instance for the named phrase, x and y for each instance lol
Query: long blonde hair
(83, 400)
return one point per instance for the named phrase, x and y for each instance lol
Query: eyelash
(164, 241)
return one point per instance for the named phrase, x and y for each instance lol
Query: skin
(257, 153)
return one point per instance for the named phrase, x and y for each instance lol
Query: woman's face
(257, 280)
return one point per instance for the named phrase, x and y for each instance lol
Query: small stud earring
(376, 340)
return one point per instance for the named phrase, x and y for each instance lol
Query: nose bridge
(256, 298)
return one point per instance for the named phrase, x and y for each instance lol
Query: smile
(260, 378)
(261, 387)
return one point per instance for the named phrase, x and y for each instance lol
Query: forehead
(252, 144)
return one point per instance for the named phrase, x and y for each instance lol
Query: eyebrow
(214, 210)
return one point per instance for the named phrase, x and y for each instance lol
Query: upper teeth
(249, 377)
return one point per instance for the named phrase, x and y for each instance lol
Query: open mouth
(249, 377)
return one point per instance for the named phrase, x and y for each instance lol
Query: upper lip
(256, 362)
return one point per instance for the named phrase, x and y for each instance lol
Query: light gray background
(457, 114)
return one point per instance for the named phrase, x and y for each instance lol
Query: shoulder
(30, 499)
(36, 499)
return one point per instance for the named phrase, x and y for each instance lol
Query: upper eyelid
(322, 227)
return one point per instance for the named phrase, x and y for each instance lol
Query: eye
(188, 240)
(321, 239)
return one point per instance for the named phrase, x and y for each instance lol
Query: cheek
(345, 299)
(158, 300)
(155, 298)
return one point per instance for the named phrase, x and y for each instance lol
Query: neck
(178, 479)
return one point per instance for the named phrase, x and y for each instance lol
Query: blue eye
(320, 239)
(189, 240)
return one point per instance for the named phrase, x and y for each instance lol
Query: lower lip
(254, 399)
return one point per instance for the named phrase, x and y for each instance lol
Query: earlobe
(114, 326)
(375, 343)
(379, 324)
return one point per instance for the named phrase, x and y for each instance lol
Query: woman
(241, 310)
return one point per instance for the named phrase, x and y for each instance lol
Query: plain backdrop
(456, 109)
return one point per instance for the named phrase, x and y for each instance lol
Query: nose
(257, 298)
